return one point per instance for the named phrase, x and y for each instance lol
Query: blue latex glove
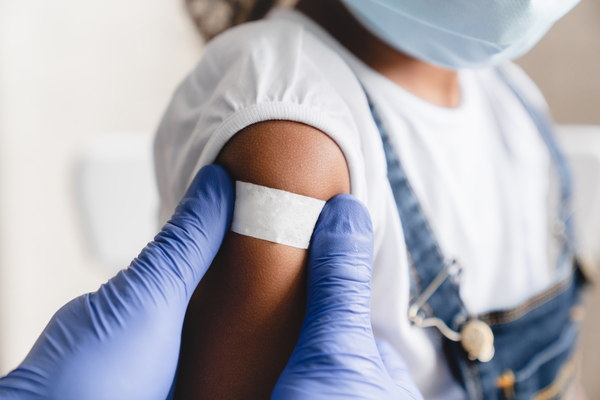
(122, 342)
(337, 356)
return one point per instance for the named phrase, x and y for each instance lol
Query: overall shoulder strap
(545, 126)
(429, 268)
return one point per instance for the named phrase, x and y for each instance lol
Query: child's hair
(214, 16)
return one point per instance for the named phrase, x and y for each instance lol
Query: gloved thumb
(340, 263)
(336, 348)
(187, 244)
(398, 370)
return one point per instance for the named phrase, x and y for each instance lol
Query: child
(414, 108)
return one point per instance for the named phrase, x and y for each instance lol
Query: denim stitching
(504, 317)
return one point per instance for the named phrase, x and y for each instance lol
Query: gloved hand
(337, 356)
(122, 342)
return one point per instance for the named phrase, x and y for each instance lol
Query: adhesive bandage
(274, 215)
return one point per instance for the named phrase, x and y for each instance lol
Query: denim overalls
(529, 352)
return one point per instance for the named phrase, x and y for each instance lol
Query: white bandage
(275, 215)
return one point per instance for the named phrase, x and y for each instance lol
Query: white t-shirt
(480, 171)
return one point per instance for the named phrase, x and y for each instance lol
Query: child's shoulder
(263, 35)
(276, 60)
(269, 70)
(283, 38)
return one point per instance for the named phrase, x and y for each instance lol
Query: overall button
(478, 340)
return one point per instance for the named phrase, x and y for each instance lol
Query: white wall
(565, 64)
(69, 70)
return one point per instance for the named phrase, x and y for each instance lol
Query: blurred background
(83, 86)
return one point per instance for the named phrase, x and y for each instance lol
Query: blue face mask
(460, 33)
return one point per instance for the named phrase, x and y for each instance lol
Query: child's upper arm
(245, 316)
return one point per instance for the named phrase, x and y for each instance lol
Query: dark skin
(245, 316)
(434, 84)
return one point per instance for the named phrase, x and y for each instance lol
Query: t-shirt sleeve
(268, 70)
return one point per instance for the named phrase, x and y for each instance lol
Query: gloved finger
(189, 241)
(340, 262)
(397, 369)
(336, 355)
(171, 394)
(337, 326)
(341, 253)
(123, 341)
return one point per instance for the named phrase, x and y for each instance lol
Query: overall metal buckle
(476, 336)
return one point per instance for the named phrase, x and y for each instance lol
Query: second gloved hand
(337, 356)
(122, 342)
